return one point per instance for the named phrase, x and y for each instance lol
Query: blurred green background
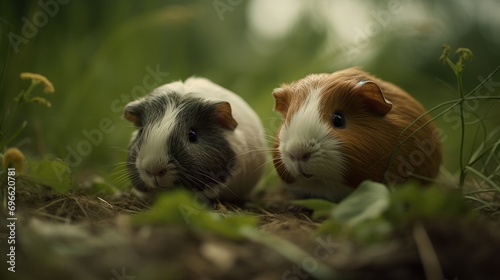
(98, 54)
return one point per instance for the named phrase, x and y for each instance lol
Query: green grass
(483, 155)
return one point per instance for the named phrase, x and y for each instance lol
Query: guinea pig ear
(373, 97)
(281, 100)
(224, 115)
(133, 112)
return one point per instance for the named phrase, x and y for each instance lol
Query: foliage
(458, 68)
(321, 207)
(54, 174)
(489, 182)
(102, 64)
(7, 136)
(371, 200)
(487, 154)
(372, 213)
(180, 208)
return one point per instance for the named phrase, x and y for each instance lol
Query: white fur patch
(308, 133)
(247, 140)
(154, 153)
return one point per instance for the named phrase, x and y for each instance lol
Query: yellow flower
(37, 78)
(42, 101)
(13, 157)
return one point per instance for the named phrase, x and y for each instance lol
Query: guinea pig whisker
(263, 166)
(195, 179)
(120, 171)
(269, 162)
(187, 176)
(219, 183)
(269, 137)
(263, 151)
(120, 180)
(119, 167)
(167, 117)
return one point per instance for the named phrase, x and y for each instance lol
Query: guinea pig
(342, 128)
(195, 135)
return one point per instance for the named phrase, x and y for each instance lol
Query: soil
(87, 237)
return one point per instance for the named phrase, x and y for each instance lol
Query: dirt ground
(87, 237)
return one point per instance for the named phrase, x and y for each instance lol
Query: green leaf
(329, 227)
(372, 231)
(314, 204)
(55, 174)
(100, 186)
(228, 227)
(169, 208)
(368, 201)
(321, 208)
(183, 209)
(413, 202)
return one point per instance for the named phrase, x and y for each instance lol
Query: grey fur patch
(199, 165)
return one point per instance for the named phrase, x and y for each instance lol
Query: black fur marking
(208, 161)
(199, 165)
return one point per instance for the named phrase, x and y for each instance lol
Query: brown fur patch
(370, 137)
(224, 116)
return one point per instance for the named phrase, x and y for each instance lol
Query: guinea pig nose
(156, 172)
(301, 157)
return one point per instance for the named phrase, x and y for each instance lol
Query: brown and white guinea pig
(195, 135)
(342, 128)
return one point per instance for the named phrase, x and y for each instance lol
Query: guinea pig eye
(338, 120)
(192, 136)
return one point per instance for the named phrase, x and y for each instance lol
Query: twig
(427, 254)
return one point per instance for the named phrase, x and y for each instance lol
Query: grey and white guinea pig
(342, 128)
(195, 135)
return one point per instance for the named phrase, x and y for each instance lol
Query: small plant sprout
(464, 54)
(25, 96)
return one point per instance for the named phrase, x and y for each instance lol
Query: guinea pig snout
(303, 156)
(299, 151)
(297, 157)
(156, 174)
(156, 171)
(298, 163)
